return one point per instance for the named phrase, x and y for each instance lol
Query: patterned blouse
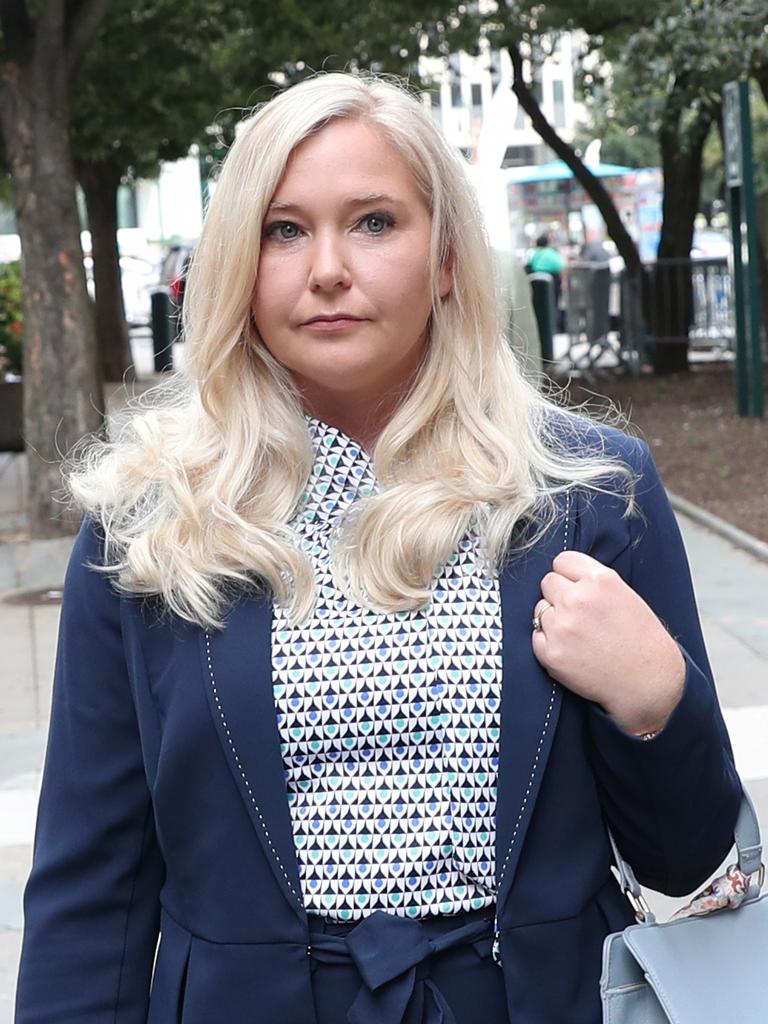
(389, 724)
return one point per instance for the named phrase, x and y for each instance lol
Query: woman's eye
(283, 230)
(377, 223)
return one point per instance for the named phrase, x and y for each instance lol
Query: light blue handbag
(709, 969)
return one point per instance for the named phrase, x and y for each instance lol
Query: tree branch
(626, 21)
(17, 27)
(592, 185)
(84, 19)
(49, 39)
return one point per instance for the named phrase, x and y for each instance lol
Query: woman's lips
(333, 326)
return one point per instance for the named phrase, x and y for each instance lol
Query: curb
(739, 538)
(29, 564)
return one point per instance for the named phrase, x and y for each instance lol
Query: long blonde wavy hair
(196, 490)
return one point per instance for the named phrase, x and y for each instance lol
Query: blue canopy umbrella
(558, 170)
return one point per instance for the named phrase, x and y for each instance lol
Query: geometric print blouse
(389, 724)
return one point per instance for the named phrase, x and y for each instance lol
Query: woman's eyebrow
(352, 201)
(371, 197)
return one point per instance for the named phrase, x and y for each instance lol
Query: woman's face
(342, 295)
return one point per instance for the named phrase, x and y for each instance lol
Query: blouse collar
(341, 473)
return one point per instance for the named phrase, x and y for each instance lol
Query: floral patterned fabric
(729, 890)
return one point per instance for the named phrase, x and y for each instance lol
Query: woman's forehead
(350, 157)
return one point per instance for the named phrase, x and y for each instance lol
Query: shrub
(11, 318)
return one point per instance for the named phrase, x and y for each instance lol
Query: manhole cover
(44, 595)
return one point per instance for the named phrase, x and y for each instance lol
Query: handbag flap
(710, 968)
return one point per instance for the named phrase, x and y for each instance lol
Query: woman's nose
(328, 265)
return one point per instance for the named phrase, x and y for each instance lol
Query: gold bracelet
(646, 736)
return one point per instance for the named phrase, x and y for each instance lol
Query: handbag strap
(748, 842)
(749, 848)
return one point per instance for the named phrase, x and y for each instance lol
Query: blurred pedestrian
(363, 639)
(594, 251)
(545, 258)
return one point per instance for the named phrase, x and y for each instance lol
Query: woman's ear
(445, 276)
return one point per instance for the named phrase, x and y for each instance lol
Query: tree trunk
(592, 185)
(100, 182)
(668, 297)
(682, 168)
(62, 387)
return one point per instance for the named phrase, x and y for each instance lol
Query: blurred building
(468, 96)
(461, 99)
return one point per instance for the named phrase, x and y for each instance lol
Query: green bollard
(162, 332)
(543, 298)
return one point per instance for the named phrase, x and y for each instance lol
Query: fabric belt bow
(387, 951)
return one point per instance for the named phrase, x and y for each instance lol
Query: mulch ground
(704, 450)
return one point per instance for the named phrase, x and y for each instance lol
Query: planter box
(10, 417)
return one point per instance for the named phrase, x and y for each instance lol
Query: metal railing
(624, 316)
(714, 321)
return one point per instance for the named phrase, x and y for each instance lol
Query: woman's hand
(601, 640)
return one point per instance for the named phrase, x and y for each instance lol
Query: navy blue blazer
(164, 807)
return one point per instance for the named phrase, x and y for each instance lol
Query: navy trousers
(387, 969)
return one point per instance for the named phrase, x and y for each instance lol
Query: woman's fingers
(542, 606)
(575, 565)
(575, 580)
(600, 639)
(555, 588)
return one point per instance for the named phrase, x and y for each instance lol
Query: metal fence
(587, 307)
(714, 321)
(617, 319)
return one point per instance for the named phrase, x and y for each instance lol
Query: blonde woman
(364, 642)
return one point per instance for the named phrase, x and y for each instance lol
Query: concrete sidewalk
(732, 589)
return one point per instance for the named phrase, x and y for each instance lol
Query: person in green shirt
(545, 259)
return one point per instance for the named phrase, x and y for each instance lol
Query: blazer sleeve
(92, 900)
(672, 801)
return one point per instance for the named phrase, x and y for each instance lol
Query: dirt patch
(704, 450)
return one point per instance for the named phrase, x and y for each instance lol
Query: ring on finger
(536, 621)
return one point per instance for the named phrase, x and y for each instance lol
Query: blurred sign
(734, 160)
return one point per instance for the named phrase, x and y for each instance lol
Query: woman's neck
(363, 423)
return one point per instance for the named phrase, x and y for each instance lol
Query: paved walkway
(732, 589)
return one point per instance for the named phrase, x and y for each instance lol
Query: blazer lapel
(530, 706)
(238, 681)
